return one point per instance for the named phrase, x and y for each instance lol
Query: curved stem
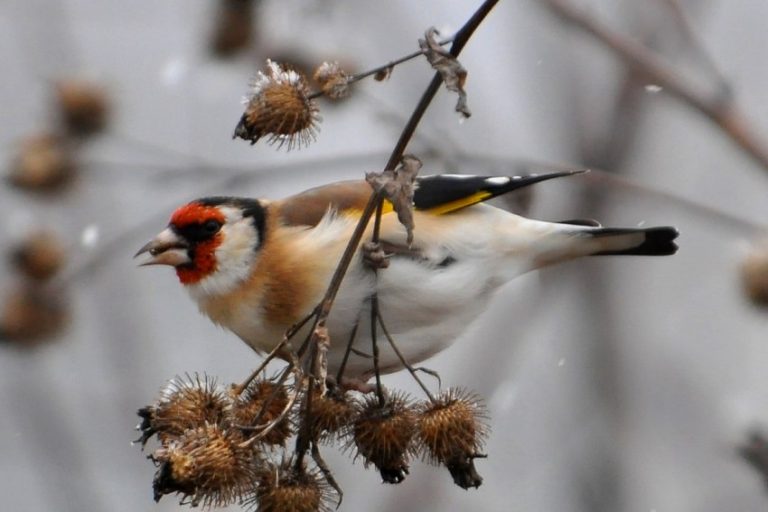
(365, 74)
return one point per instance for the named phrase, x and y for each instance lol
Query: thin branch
(375, 348)
(403, 360)
(238, 390)
(292, 397)
(684, 22)
(347, 352)
(723, 113)
(389, 65)
(326, 471)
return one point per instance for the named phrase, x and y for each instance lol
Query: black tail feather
(659, 241)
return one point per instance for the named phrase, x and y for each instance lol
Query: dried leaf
(383, 74)
(453, 73)
(320, 366)
(398, 186)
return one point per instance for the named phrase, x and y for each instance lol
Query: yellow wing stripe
(452, 206)
(458, 204)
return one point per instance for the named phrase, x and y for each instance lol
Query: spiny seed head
(286, 488)
(279, 108)
(39, 256)
(44, 163)
(83, 106)
(382, 434)
(754, 274)
(332, 414)
(185, 403)
(206, 465)
(31, 314)
(451, 431)
(261, 403)
(333, 81)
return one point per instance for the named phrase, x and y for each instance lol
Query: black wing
(443, 193)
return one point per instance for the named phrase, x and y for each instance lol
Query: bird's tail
(657, 241)
(580, 238)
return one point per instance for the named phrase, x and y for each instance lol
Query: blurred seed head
(333, 80)
(755, 452)
(83, 107)
(234, 27)
(286, 488)
(280, 109)
(206, 465)
(39, 256)
(261, 403)
(44, 162)
(754, 274)
(452, 431)
(31, 314)
(382, 434)
(185, 403)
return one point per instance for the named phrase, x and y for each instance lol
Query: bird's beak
(167, 248)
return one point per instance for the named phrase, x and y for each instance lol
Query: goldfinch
(256, 267)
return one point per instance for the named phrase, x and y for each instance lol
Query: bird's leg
(374, 255)
(356, 384)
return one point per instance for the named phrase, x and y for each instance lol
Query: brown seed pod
(44, 163)
(39, 256)
(83, 107)
(332, 79)
(383, 433)
(185, 403)
(30, 315)
(754, 275)
(452, 431)
(332, 414)
(286, 488)
(261, 403)
(280, 109)
(207, 465)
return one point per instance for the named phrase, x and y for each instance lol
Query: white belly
(424, 309)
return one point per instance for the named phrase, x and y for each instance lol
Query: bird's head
(211, 242)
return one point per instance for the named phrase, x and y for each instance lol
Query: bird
(257, 267)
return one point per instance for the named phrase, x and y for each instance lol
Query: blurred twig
(696, 44)
(718, 108)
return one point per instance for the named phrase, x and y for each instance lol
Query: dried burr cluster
(221, 446)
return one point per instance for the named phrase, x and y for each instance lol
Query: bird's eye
(212, 226)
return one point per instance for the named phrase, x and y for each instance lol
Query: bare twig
(348, 351)
(696, 44)
(403, 360)
(265, 429)
(326, 471)
(238, 390)
(718, 109)
(375, 348)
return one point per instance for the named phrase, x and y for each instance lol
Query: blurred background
(614, 384)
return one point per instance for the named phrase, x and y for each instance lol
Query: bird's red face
(210, 241)
(200, 226)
